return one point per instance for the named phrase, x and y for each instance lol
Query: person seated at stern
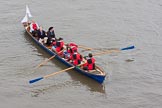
(90, 62)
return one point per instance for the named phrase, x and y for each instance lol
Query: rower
(73, 46)
(70, 50)
(90, 62)
(76, 58)
(59, 45)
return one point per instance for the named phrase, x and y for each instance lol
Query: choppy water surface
(134, 77)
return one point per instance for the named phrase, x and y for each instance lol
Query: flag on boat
(25, 19)
(28, 11)
(28, 15)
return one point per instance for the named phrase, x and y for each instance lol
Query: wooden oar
(52, 74)
(44, 62)
(87, 48)
(115, 50)
(84, 47)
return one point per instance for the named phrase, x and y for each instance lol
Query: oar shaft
(86, 48)
(115, 50)
(106, 52)
(44, 62)
(54, 73)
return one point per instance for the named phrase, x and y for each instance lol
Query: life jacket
(73, 46)
(91, 63)
(34, 26)
(77, 58)
(54, 43)
(59, 46)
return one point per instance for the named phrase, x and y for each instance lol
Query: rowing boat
(98, 74)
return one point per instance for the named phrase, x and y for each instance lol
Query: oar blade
(35, 80)
(127, 48)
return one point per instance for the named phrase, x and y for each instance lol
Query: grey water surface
(134, 77)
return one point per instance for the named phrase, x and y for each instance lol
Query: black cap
(60, 38)
(90, 55)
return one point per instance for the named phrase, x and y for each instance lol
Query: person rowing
(73, 46)
(76, 58)
(70, 50)
(90, 62)
(58, 46)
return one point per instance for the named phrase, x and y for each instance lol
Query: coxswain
(33, 27)
(90, 62)
(76, 58)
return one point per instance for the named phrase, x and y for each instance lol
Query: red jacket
(76, 58)
(73, 48)
(59, 46)
(34, 26)
(90, 63)
(73, 44)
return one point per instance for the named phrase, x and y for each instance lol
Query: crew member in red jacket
(76, 58)
(70, 50)
(59, 46)
(73, 46)
(90, 62)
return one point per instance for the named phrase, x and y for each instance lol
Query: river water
(134, 77)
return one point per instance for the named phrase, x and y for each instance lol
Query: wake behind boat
(96, 74)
